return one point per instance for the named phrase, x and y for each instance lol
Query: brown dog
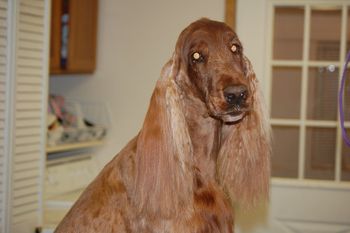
(205, 144)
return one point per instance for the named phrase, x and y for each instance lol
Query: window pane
(285, 151)
(320, 153)
(346, 160)
(322, 95)
(286, 92)
(348, 32)
(325, 34)
(288, 33)
(346, 96)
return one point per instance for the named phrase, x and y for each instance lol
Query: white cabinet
(66, 178)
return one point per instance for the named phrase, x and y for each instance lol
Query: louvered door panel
(3, 59)
(23, 94)
(29, 114)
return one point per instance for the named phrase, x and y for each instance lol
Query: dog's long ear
(244, 157)
(164, 152)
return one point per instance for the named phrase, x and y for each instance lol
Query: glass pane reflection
(288, 33)
(286, 92)
(325, 27)
(320, 151)
(322, 95)
(285, 151)
(345, 161)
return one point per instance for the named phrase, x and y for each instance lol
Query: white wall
(251, 20)
(135, 39)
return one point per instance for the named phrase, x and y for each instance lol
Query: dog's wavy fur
(187, 167)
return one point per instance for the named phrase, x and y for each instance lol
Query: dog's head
(209, 63)
(210, 55)
(209, 69)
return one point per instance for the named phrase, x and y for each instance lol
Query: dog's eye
(197, 57)
(234, 48)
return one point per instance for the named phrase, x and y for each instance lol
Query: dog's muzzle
(236, 99)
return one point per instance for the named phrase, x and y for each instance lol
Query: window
(308, 42)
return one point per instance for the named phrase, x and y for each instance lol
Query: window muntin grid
(305, 120)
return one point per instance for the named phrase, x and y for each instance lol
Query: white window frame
(305, 64)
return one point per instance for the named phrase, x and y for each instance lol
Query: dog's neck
(205, 133)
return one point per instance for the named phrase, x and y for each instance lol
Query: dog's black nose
(236, 95)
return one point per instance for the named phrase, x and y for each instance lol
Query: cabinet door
(82, 38)
(56, 9)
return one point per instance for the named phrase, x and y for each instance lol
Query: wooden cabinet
(73, 50)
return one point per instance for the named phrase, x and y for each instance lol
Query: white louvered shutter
(26, 99)
(3, 65)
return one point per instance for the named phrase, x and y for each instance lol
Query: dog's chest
(210, 213)
(204, 222)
